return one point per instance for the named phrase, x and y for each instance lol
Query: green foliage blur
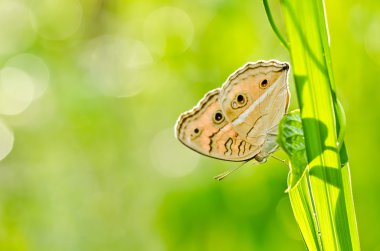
(90, 91)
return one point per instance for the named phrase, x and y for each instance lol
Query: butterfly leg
(281, 160)
(225, 174)
(221, 176)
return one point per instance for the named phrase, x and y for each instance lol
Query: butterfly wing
(206, 130)
(254, 99)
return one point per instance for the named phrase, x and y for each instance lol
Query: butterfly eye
(218, 117)
(239, 101)
(196, 133)
(264, 84)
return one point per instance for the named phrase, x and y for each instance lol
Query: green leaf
(292, 141)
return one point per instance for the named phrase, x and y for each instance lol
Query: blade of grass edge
(340, 129)
(304, 212)
(304, 61)
(341, 125)
(312, 74)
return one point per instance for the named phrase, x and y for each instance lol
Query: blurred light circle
(168, 30)
(372, 41)
(57, 20)
(36, 68)
(6, 142)
(16, 31)
(117, 66)
(358, 18)
(16, 91)
(169, 157)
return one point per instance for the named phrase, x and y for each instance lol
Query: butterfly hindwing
(206, 130)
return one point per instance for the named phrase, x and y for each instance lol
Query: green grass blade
(349, 201)
(328, 191)
(304, 212)
(273, 24)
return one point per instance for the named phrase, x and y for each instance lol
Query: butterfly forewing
(255, 98)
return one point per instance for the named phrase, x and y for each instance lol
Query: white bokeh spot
(6, 142)
(372, 41)
(117, 66)
(165, 24)
(16, 30)
(16, 91)
(36, 68)
(57, 20)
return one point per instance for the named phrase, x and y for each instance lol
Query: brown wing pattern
(206, 130)
(239, 121)
(254, 99)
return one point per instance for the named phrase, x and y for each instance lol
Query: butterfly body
(239, 121)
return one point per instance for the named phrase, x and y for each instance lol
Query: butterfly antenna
(225, 174)
(281, 160)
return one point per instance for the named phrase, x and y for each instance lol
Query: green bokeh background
(91, 90)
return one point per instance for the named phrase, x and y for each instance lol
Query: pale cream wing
(254, 99)
(206, 130)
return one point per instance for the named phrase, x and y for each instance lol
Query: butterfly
(239, 121)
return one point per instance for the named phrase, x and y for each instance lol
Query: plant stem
(274, 26)
(322, 200)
